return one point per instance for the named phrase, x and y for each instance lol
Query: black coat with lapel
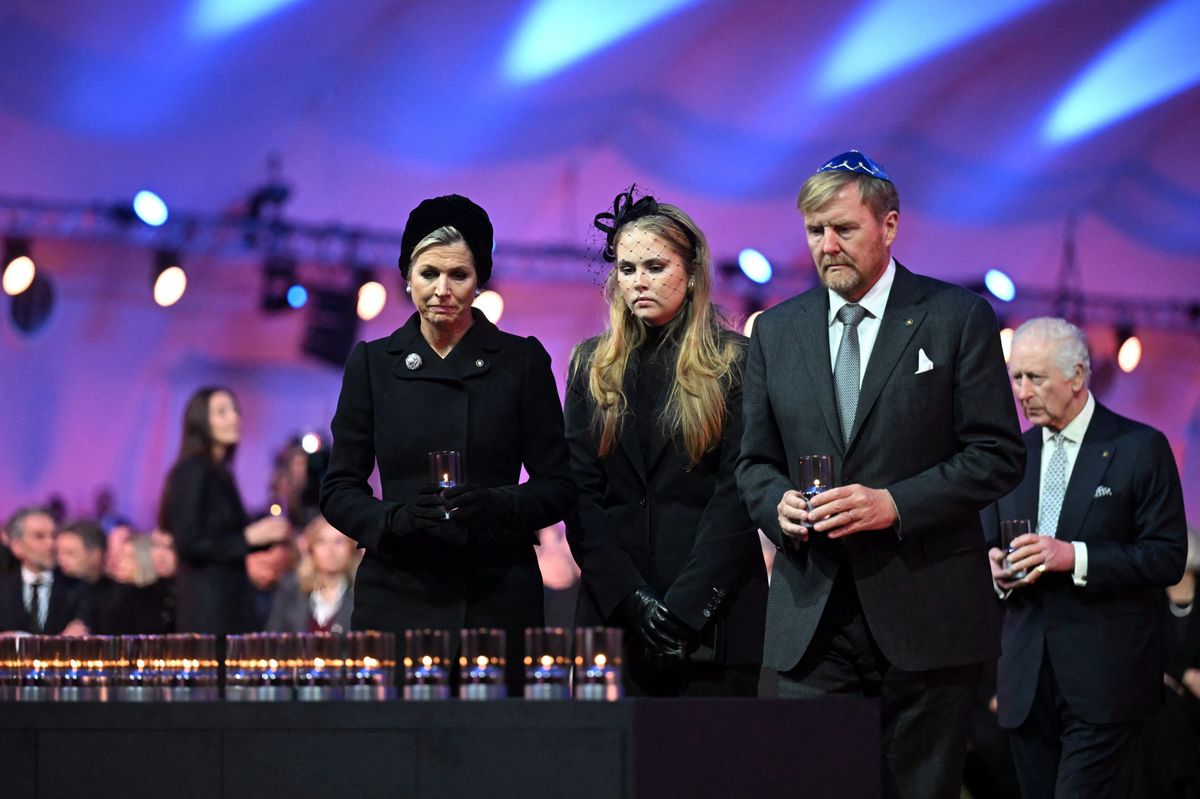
(1104, 640)
(494, 399)
(68, 602)
(944, 441)
(649, 518)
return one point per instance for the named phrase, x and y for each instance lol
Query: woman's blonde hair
(306, 573)
(695, 406)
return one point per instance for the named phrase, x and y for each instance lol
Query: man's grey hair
(1068, 343)
(15, 526)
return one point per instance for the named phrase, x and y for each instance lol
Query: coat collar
(471, 357)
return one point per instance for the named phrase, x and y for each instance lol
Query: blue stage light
(889, 35)
(149, 208)
(1000, 285)
(1151, 61)
(755, 265)
(556, 33)
(214, 17)
(297, 295)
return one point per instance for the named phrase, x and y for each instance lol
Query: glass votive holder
(445, 468)
(276, 668)
(370, 666)
(241, 659)
(39, 656)
(426, 665)
(137, 680)
(598, 664)
(481, 663)
(10, 669)
(320, 675)
(547, 662)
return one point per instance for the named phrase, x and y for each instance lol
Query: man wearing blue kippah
(881, 586)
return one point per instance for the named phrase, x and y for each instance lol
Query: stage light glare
(150, 208)
(755, 265)
(310, 443)
(18, 275)
(372, 297)
(1000, 285)
(169, 286)
(297, 295)
(1006, 336)
(492, 305)
(1130, 354)
(748, 328)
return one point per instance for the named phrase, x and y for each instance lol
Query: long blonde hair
(695, 406)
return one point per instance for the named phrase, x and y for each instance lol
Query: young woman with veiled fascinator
(654, 423)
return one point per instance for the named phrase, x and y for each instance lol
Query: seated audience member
(116, 537)
(319, 597)
(36, 598)
(80, 549)
(265, 569)
(142, 601)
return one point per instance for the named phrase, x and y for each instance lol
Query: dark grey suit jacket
(291, 611)
(945, 442)
(1104, 640)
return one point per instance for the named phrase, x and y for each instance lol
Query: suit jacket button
(707, 613)
(642, 502)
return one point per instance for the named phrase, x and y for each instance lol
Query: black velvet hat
(458, 212)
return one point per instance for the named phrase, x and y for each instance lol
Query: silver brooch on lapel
(413, 362)
(479, 363)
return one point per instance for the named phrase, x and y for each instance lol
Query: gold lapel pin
(908, 321)
(1104, 454)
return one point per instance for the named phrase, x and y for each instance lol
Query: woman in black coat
(448, 380)
(202, 509)
(654, 422)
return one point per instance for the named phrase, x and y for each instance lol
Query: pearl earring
(408, 290)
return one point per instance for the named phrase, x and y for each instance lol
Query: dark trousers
(1060, 755)
(926, 715)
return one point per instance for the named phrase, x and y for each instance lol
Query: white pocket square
(923, 362)
(1102, 491)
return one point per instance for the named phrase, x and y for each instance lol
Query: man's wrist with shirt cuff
(1080, 575)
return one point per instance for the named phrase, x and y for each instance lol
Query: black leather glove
(468, 504)
(650, 618)
(422, 513)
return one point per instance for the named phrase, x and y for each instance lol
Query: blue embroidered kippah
(854, 161)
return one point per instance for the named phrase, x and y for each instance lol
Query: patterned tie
(846, 370)
(35, 606)
(1055, 487)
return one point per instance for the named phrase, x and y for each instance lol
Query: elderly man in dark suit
(880, 586)
(37, 598)
(1082, 660)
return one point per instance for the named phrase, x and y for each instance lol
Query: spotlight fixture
(1000, 285)
(491, 303)
(279, 278)
(755, 266)
(170, 281)
(150, 208)
(31, 308)
(372, 296)
(19, 269)
(1129, 349)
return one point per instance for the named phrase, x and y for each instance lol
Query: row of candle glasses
(280, 667)
(102, 668)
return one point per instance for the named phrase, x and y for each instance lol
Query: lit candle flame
(318, 663)
(482, 661)
(276, 509)
(601, 660)
(370, 662)
(141, 664)
(446, 477)
(817, 482)
(547, 661)
(427, 661)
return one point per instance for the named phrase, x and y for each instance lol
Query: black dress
(203, 511)
(649, 517)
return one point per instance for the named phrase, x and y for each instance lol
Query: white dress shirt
(45, 581)
(1073, 435)
(875, 301)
